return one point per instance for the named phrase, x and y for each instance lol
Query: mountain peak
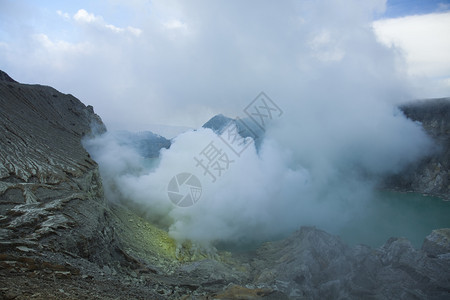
(217, 123)
(6, 77)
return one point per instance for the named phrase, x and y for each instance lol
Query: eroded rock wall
(51, 195)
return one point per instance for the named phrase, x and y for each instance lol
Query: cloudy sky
(141, 63)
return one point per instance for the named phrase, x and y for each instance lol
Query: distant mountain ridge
(146, 143)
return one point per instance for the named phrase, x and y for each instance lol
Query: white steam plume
(338, 87)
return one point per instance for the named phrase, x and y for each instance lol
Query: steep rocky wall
(431, 175)
(51, 196)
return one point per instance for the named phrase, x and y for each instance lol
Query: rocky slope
(312, 264)
(60, 238)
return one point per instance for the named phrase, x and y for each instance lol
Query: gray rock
(312, 264)
(211, 272)
(50, 188)
(437, 243)
(431, 175)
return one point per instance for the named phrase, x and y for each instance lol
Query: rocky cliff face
(48, 183)
(431, 175)
(60, 238)
(54, 220)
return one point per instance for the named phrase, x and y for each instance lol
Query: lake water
(394, 214)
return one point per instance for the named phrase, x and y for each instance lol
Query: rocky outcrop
(438, 243)
(48, 183)
(431, 175)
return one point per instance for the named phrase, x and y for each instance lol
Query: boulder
(438, 243)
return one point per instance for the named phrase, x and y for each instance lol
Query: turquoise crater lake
(394, 214)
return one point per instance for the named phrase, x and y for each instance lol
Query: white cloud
(65, 16)
(444, 6)
(84, 17)
(175, 24)
(134, 31)
(56, 52)
(59, 46)
(425, 42)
